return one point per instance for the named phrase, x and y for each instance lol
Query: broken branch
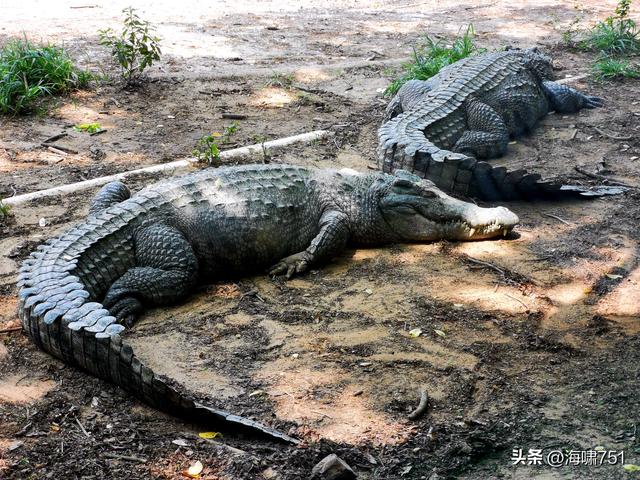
(422, 406)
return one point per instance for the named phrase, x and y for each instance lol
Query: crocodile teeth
(472, 232)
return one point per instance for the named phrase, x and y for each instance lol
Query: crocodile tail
(462, 175)
(57, 284)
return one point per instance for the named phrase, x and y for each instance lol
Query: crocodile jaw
(478, 223)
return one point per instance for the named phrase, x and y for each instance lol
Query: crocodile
(445, 127)
(81, 290)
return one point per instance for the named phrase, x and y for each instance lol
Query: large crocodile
(440, 127)
(78, 290)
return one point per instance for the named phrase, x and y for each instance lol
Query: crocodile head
(539, 63)
(416, 210)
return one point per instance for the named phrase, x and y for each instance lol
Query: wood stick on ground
(485, 264)
(84, 430)
(422, 406)
(234, 116)
(597, 176)
(611, 135)
(10, 330)
(556, 217)
(55, 137)
(517, 300)
(171, 167)
(64, 149)
(129, 458)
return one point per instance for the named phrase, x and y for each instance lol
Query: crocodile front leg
(331, 240)
(487, 135)
(565, 99)
(166, 270)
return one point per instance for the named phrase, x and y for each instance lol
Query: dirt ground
(542, 352)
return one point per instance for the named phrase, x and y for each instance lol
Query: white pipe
(178, 164)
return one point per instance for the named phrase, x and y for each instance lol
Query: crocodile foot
(288, 266)
(125, 308)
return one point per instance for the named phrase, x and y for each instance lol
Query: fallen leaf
(440, 332)
(630, 467)
(416, 332)
(181, 442)
(210, 435)
(256, 392)
(365, 364)
(613, 276)
(194, 470)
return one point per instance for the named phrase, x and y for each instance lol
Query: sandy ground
(542, 353)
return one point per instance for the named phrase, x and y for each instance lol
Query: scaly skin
(77, 290)
(439, 128)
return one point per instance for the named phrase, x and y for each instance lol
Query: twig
(517, 300)
(611, 135)
(57, 151)
(55, 137)
(422, 406)
(556, 217)
(98, 132)
(234, 116)
(64, 149)
(485, 264)
(597, 176)
(130, 458)
(82, 427)
(12, 329)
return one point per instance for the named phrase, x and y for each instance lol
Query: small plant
(5, 210)
(432, 55)
(609, 68)
(617, 34)
(280, 80)
(88, 127)
(208, 147)
(135, 48)
(30, 72)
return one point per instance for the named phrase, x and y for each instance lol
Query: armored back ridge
(78, 291)
(442, 128)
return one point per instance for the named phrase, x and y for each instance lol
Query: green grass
(30, 72)
(609, 68)
(432, 55)
(5, 210)
(208, 147)
(614, 36)
(617, 34)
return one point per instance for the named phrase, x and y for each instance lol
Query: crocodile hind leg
(166, 269)
(110, 194)
(565, 99)
(487, 135)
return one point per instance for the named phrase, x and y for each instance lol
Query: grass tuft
(5, 210)
(29, 72)
(616, 35)
(432, 55)
(610, 68)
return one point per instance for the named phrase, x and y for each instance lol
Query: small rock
(332, 467)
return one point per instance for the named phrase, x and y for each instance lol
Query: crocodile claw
(289, 266)
(593, 102)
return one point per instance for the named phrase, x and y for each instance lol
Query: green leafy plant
(5, 210)
(88, 127)
(135, 48)
(617, 34)
(208, 147)
(609, 68)
(280, 80)
(30, 72)
(432, 55)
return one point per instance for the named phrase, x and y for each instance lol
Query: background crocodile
(78, 289)
(438, 128)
